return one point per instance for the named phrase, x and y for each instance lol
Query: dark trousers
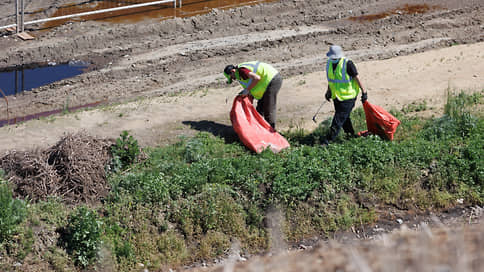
(267, 105)
(341, 119)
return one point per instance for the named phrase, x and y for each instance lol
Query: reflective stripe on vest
(264, 70)
(342, 85)
(253, 68)
(346, 78)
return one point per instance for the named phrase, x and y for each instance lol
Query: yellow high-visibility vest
(264, 70)
(342, 86)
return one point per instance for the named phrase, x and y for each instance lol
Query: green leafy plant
(125, 151)
(12, 213)
(82, 236)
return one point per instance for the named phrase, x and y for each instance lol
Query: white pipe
(16, 17)
(22, 28)
(91, 13)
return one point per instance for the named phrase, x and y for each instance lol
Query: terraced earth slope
(166, 60)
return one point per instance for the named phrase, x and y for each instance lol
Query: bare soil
(171, 70)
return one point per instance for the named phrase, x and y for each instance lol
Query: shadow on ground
(220, 130)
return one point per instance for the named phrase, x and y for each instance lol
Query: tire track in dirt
(227, 43)
(288, 68)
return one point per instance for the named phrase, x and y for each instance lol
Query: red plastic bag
(379, 122)
(252, 129)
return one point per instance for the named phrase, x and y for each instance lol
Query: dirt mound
(73, 169)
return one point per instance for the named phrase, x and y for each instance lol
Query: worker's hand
(328, 95)
(364, 97)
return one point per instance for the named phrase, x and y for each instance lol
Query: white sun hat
(335, 52)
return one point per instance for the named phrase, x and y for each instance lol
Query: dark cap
(227, 71)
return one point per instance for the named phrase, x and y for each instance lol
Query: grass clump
(213, 209)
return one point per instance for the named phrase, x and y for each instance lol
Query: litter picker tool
(314, 117)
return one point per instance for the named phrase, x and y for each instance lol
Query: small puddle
(160, 12)
(19, 79)
(16, 80)
(406, 9)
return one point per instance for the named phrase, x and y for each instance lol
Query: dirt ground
(163, 79)
(170, 70)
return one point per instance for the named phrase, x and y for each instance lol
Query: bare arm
(255, 79)
(361, 85)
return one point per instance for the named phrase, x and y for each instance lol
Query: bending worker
(343, 87)
(261, 81)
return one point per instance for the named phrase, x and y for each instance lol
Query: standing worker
(261, 81)
(343, 87)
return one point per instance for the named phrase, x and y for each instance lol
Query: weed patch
(193, 200)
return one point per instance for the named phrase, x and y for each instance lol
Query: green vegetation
(415, 107)
(125, 151)
(12, 213)
(65, 109)
(192, 200)
(82, 237)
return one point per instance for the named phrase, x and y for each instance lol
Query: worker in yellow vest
(343, 87)
(261, 81)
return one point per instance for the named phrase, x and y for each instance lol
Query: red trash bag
(252, 129)
(379, 122)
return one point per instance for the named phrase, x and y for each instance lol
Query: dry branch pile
(73, 169)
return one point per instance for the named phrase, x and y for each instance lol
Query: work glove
(364, 97)
(328, 95)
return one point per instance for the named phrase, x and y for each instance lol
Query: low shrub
(12, 213)
(82, 236)
(125, 151)
(214, 209)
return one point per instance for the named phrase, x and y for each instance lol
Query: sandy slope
(153, 58)
(391, 83)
